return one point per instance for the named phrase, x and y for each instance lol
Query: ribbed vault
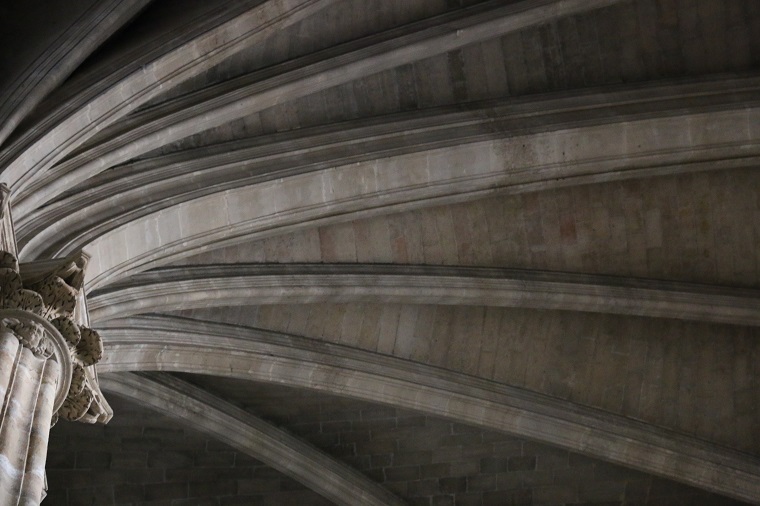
(538, 218)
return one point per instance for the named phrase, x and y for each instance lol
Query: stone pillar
(32, 379)
(47, 354)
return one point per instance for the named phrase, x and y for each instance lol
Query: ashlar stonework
(46, 356)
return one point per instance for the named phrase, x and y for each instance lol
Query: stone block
(382, 460)
(375, 424)
(518, 497)
(165, 491)
(407, 473)
(494, 464)
(141, 444)
(559, 494)
(611, 472)
(215, 459)
(171, 459)
(464, 468)
(93, 460)
(453, 485)
(434, 470)
(376, 447)
(252, 486)
(326, 440)
(426, 487)
(214, 488)
(447, 454)
(129, 493)
(601, 491)
(522, 463)
(442, 500)
(532, 479)
(413, 458)
(90, 496)
(336, 426)
(379, 413)
(481, 483)
(458, 428)
(411, 421)
(354, 436)
(469, 442)
(129, 460)
(61, 460)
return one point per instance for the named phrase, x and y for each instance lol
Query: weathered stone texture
(642, 368)
(629, 42)
(707, 233)
(431, 461)
(142, 458)
(28, 389)
(629, 147)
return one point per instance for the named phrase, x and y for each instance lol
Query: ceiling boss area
(380, 252)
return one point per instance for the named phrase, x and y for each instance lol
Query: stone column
(46, 358)
(34, 364)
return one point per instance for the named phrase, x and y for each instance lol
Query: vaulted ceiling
(421, 252)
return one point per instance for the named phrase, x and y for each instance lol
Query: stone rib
(190, 287)
(644, 148)
(250, 435)
(163, 343)
(121, 195)
(229, 101)
(58, 61)
(25, 164)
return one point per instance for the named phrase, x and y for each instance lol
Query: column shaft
(28, 384)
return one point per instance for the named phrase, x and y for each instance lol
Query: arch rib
(229, 101)
(62, 57)
(162, 343)
(249, 434)
(24, 166)
(188, 287)
(542, 161)
(121, 195)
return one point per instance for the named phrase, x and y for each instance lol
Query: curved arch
(229, 101)
(23, 168)
(122, 194)
(59, 60)
(661, 146)
(202, 411)
(260, 284)
(182, 345)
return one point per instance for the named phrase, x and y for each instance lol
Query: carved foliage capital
(30, 334)
(54, 296)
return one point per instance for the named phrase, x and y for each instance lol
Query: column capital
(42, 305)
(45, 341)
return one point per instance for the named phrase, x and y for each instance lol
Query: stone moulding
(42, 309)
(190, 405)
(189, 287)
(163, 343)
(536, 162)
(25, 165)
(60, 59)
(120, 196)
(249, 98)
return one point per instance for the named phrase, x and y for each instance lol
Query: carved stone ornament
(48, 298)
(31, 335)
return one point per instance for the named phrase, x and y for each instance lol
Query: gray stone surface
(143, 458)
(602, 137)
(427, 460)
(171, 344)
